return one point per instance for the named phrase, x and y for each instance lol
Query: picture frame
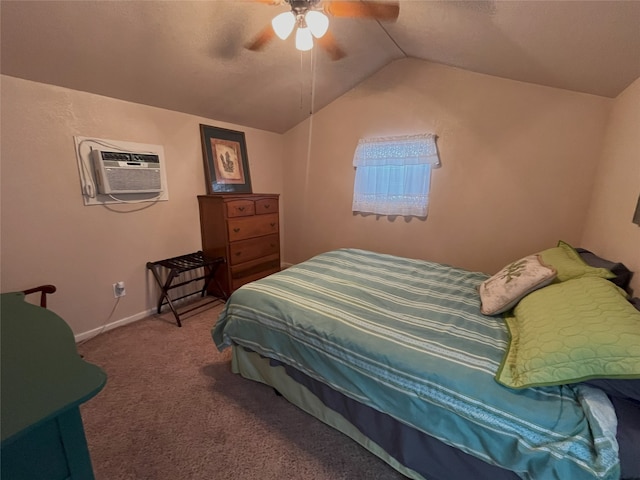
(226, 164)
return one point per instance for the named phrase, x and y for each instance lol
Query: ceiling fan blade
(261, 40)
(329, 44)
(363, 9)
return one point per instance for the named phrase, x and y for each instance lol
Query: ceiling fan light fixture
(283, 24)
(317, 22)
(304, 39)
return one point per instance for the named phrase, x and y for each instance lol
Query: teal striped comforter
(407, 338)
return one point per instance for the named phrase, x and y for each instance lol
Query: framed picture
(226, 165)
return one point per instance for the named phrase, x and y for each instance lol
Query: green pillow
(568, 263)
(569, 332)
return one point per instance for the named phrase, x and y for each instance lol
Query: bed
(396, 353)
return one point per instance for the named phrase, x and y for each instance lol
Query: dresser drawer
(246, 250)
(249, 227)
(241, 208)
(236, 283)
(254, 270)
(266, 205)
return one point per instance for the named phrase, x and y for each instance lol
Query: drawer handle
(272, 245)
(273, 224)
(241, 209)
(238, 254)
(267, 205)
(236, 230)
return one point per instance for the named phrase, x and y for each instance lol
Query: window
(393, 175)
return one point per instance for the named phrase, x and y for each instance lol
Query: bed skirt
(413, 453)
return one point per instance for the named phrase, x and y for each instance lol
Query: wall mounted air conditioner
(126, 172)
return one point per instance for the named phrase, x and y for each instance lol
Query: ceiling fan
(310, 19)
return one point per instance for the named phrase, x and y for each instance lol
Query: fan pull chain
(301, 81)
(313, 82)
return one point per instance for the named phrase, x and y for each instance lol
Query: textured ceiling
(190, 56)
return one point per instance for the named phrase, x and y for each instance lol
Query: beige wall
(49, 236)
(609, 230)
(518, 162)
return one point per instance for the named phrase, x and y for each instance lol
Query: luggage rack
(181, 264)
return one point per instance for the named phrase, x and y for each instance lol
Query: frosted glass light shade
(304, 40)
(283, 24)
(317, 22)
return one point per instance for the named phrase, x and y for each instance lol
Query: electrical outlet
(118, 290)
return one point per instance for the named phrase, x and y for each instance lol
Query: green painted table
(44, 381)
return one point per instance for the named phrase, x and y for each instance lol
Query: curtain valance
(400, 150)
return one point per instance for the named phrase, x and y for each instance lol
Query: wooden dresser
(244, 229)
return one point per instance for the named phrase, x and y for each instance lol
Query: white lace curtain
(393, 174)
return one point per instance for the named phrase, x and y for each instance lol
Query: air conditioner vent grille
(127, 172)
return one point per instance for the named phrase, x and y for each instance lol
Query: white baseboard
(110, 326)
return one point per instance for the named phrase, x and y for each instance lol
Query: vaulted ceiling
(189, 56)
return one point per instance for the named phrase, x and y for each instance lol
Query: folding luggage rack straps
(181, 264)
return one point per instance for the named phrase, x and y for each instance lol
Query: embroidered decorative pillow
(504, 290)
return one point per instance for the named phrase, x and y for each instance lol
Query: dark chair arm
(44, 291)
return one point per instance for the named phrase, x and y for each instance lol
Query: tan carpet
(173, 410)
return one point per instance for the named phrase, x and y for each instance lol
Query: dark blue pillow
(620, 388)
(622, 274)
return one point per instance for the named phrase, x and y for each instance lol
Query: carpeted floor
(172, 410)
